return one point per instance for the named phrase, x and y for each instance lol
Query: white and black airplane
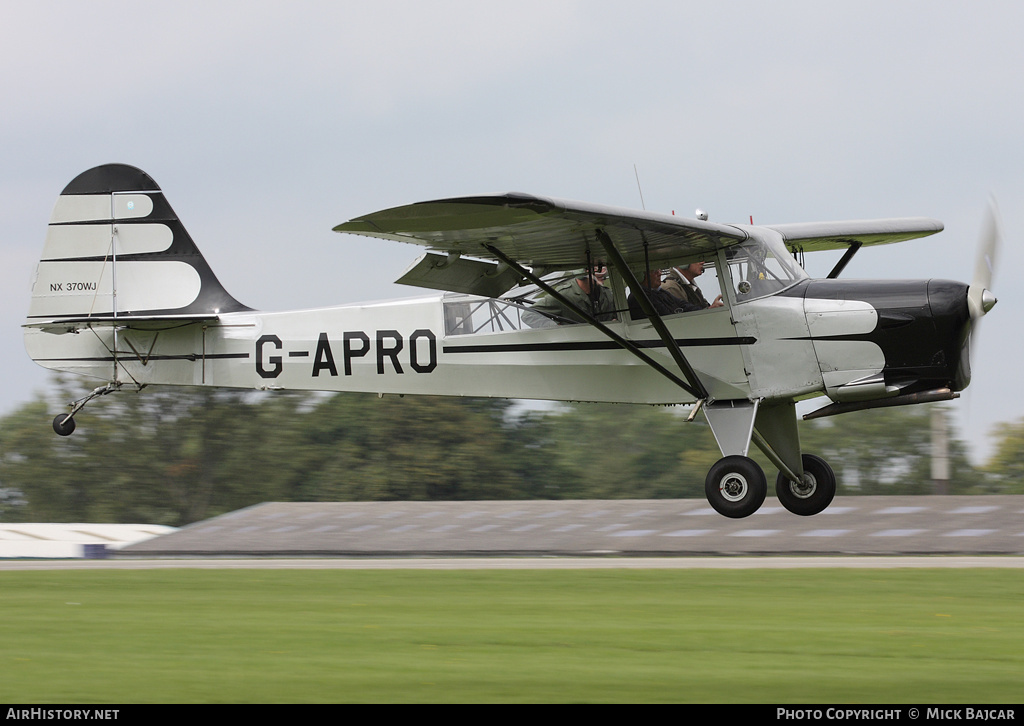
(122, 294)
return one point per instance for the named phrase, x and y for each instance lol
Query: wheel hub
(805, 488)
(733, 487)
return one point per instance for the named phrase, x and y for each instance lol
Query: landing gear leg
(736, 486)
(64, 424)
(813, 492)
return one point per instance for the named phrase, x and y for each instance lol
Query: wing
(538, 231)
(816, 236)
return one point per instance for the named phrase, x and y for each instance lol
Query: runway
(870, 531)
(523, 563)
(864, 526)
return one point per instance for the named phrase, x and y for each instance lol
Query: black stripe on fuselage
(590, 345)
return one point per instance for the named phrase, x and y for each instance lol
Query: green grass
(715, 636)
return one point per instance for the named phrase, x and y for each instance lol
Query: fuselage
(852, 340)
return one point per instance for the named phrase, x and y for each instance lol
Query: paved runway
(905, 525)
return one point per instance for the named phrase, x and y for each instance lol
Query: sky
(267, 123)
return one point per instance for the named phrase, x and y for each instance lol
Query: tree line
(179, 455)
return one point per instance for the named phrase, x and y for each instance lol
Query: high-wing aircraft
(122, 294)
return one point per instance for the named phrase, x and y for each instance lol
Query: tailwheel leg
(813, 492)
(736, 486)
(64, 424)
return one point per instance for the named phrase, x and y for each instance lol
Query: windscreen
(760, 267)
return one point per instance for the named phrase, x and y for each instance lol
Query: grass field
(714, 636)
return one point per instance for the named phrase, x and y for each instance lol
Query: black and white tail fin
(115, 250)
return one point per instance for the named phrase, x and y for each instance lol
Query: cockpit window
(761, 267)
(472, 315)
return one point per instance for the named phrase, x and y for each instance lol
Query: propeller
(979, 296)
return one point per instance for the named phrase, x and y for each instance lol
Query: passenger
(680, 283)
(586, 292)
(662, 300)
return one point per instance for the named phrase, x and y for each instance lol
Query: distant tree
(625, 451)
(1006, 467)
(605, 450)
(359, 447)
(163, 456)
(170, 455)
(886, 451)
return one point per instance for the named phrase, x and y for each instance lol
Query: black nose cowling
(923, 328)
(954, 319)
(924, 332)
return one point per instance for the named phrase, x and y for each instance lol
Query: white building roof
(69, 540)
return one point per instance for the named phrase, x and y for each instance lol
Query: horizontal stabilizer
(128, 322)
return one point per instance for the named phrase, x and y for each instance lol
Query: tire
(814, 494)
(62, 427)
(736, 486)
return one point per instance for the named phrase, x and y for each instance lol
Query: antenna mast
(637, 174)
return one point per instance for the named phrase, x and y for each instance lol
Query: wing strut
(627, 344)
(845, 260)
(652, 315)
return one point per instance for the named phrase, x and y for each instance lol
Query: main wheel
(63, 425)
(736, 486)
(811, 495)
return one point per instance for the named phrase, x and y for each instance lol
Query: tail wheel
(812, 494)
(736, 486)
(64, 425)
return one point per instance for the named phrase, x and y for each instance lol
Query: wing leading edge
(538, 231)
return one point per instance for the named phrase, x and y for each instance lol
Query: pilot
(587, 292)
(680, 283)
(662, 300)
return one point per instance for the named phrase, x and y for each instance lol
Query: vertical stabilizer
(115, 249)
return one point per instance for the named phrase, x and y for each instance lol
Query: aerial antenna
(637, 174)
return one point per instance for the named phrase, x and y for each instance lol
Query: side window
(709, 282)
(696, 285)
(471, 315)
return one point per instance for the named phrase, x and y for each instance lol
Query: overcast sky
(267, 123)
